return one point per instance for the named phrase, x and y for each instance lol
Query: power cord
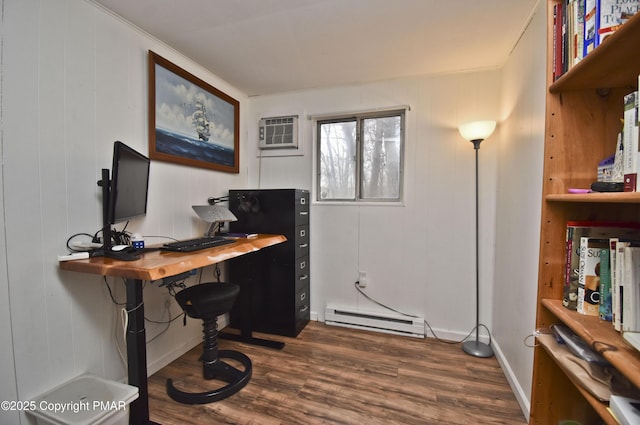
(439, 339)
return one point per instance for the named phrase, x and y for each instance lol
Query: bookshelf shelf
(595, 403)
(606, 198)
(600, 335)
(583, 112)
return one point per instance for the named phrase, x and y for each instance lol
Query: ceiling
(273, 46)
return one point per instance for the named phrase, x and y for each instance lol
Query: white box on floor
(85, 400)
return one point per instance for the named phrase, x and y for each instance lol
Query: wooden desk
(151, 266)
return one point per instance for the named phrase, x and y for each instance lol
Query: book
(619, 285)
(631, 290)
(557, 41)
(589, 275)
(618, 276)
(630, 142)
(611, 14)
(589, 42)
(632, 338)
(625, 410)
(576, 31)
(604, 307)
(613, 267)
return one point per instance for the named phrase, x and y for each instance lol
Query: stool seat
(207, 301)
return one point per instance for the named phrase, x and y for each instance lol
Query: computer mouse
(119, 247)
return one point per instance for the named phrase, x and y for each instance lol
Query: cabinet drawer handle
(304, 308)
(303, 245)
(304, 212)
(303, 277)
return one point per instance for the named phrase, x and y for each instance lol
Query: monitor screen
(129, 185)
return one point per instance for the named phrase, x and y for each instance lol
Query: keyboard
(196, 244)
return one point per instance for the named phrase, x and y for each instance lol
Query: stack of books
(581, 25)
(602, 272)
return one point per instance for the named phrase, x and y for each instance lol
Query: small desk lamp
(476, 132)
(214, 213)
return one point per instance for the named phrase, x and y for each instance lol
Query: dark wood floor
(332, 375)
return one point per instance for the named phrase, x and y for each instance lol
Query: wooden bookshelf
(601, 335)
(583, 112)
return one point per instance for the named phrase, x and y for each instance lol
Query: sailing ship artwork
(201, 122)
(194, 125)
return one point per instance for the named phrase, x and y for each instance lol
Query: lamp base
(477, 349)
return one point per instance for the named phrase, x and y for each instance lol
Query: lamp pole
(477, 348)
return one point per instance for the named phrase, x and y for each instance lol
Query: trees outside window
(360, 158)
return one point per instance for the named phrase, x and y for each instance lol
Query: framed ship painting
(191, 122)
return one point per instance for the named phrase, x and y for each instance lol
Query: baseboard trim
(518, 392)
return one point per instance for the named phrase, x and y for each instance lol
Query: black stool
(207, 301)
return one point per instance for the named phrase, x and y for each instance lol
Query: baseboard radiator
(373, 321)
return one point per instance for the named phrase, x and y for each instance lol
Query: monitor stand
(106, 250)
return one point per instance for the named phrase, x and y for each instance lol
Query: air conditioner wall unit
(278, 132)
(374, 321)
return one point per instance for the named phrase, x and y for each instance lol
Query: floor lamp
(476, 132)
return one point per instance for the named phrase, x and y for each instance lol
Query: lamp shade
(214, 213)
(477, 130)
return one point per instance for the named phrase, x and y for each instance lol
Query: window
(360, 157)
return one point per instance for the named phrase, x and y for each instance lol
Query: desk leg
(137, 353)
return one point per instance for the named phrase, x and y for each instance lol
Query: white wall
(8, 388)
(419, 256)
(74, 79)
(520, 161)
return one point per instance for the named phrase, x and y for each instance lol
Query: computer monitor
(129, 183)
(124, 195)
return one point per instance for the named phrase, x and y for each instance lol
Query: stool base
(220, 370)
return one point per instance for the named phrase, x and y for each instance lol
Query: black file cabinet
(277, 278)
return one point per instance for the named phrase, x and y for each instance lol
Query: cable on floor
(445, 341)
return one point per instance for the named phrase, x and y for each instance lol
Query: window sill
(359, 203)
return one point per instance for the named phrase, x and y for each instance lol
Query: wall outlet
(362, 279)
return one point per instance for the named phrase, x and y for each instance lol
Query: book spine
(557, 50)
(630, 141)
(605, 285)
(589, 280)
(633, 313)
(579, 25)
(630, 276)
(613, 260)
(589, 26)
(569, 295)
(565, 38)
(581, 273)
(620, 279)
